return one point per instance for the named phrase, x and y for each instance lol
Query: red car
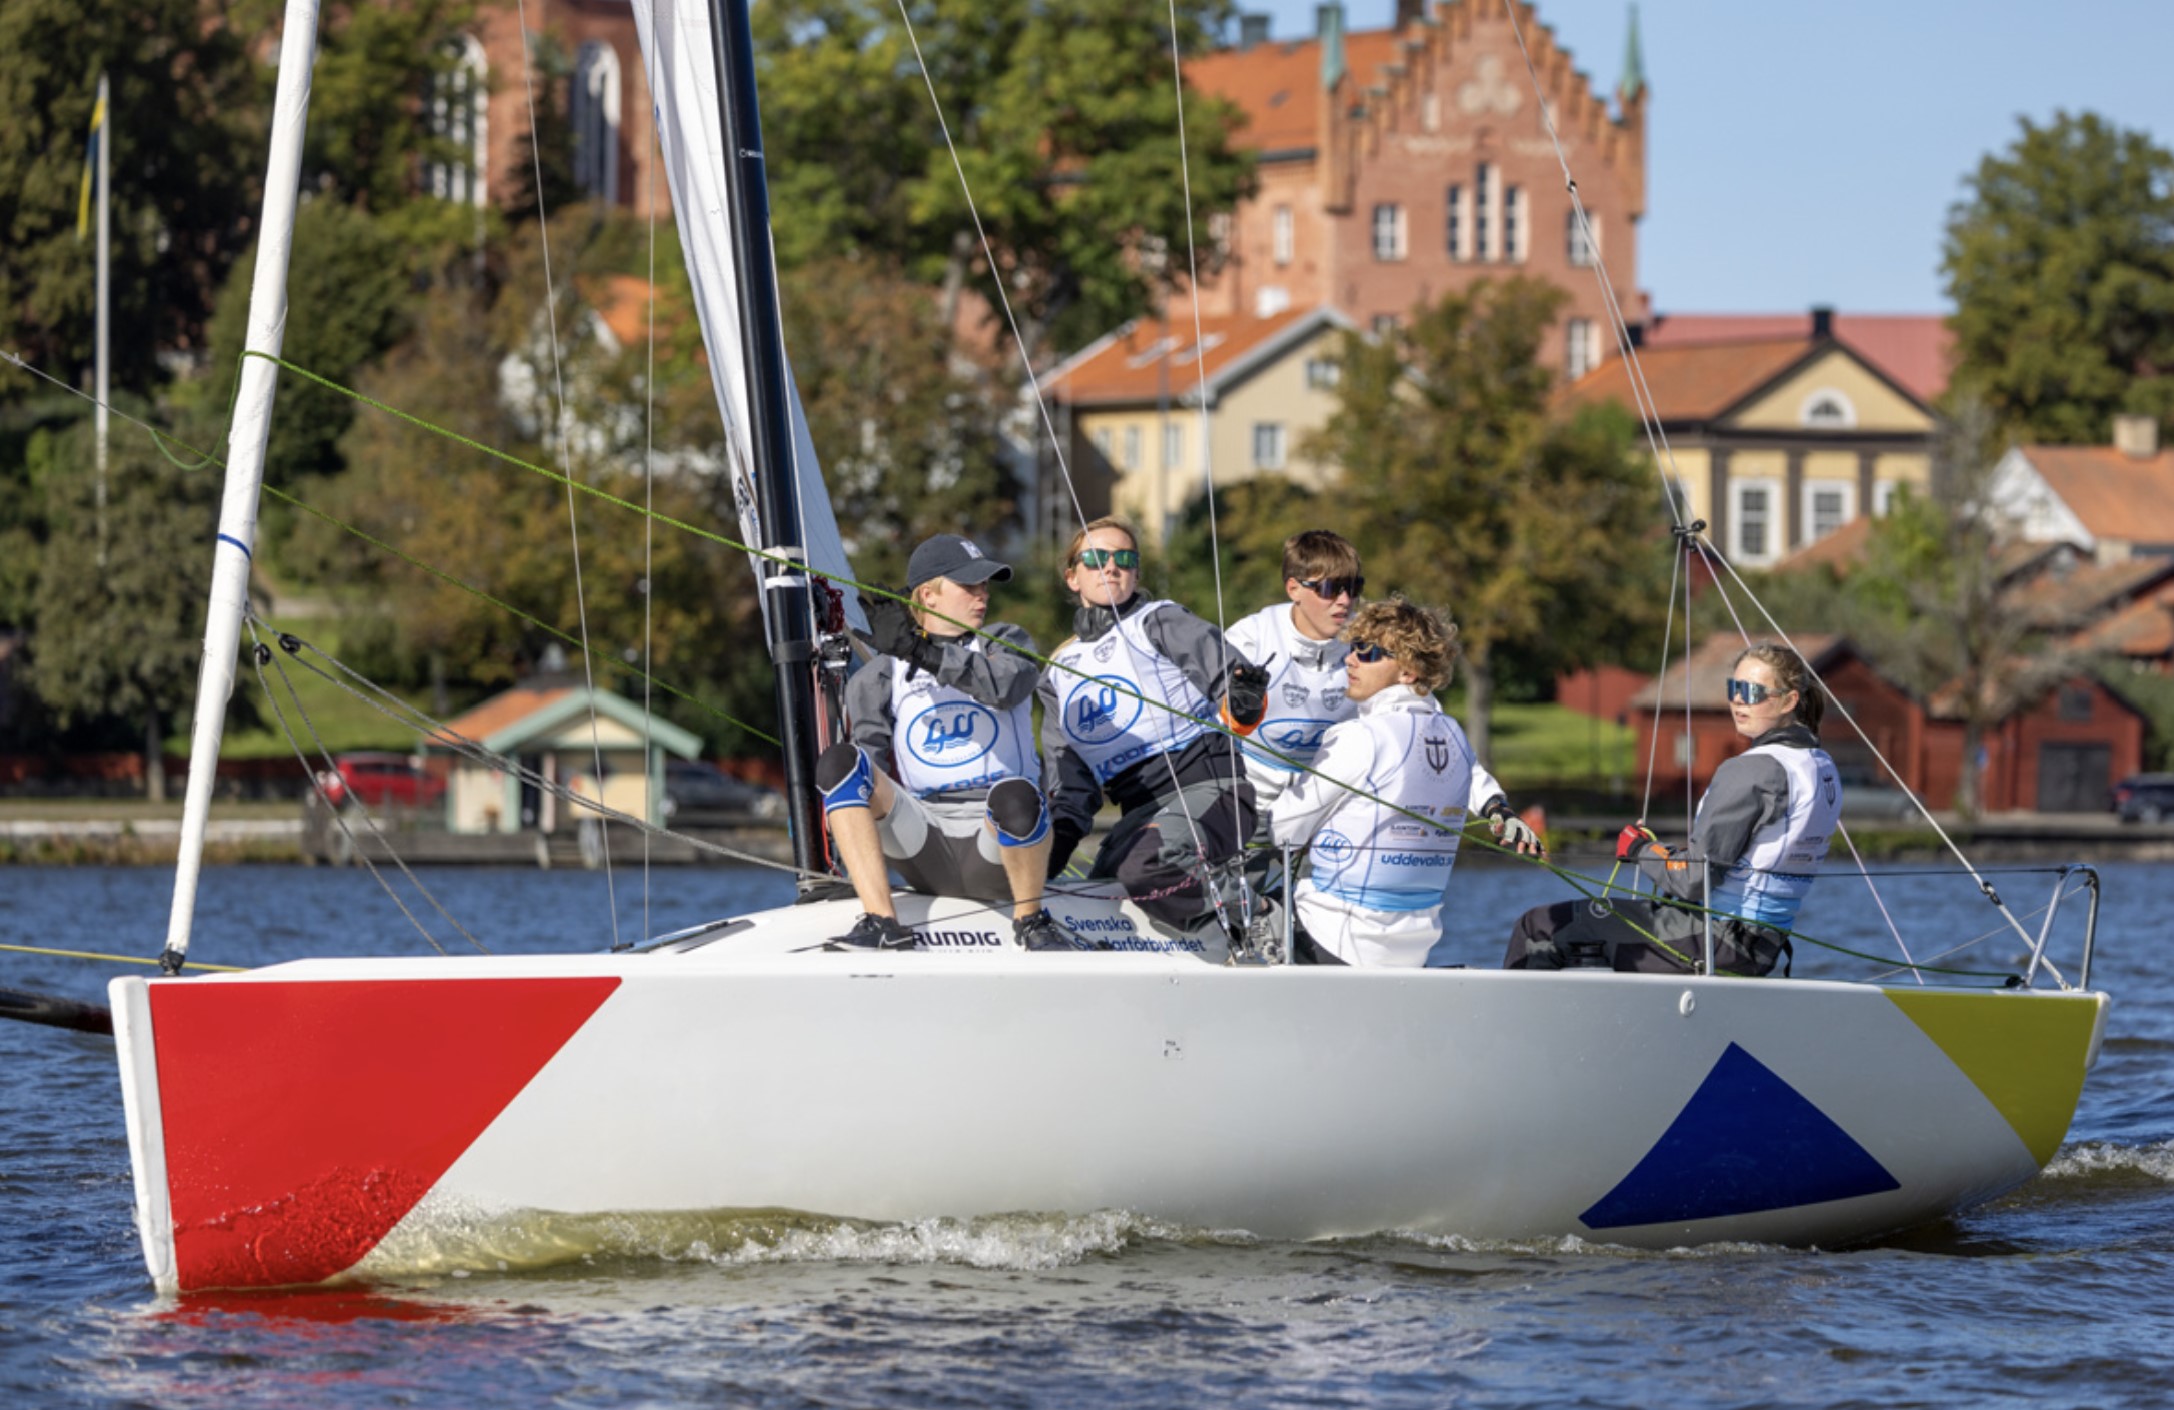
(379, 781)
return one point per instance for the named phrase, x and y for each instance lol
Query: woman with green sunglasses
(1756, 845)
(1129, 706)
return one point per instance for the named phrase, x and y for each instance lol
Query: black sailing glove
(1245, 697)
(893, 632)
(1063, 842)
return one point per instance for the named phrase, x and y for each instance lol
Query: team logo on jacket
(1100, 709)
(1300, 738)
(1437, 747)
(1106, 648)
(1332, 697)
(952, 735)
(1333, 848)
(1294, 694)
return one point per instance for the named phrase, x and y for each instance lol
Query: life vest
(1099, 685)
(1767, 884)
(1374, 853)
(945, 741)
(1305, 693)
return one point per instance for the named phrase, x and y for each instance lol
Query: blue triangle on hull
(1747, 1141)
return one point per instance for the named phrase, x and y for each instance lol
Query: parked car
(380, 781)
(693, 789)
(1866, 795)
(2145, 798)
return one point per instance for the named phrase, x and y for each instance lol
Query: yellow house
(1776, 441)
(559, 732)
(1156, 412)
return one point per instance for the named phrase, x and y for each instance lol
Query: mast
(237, 538)
(788, 614)
(105, 302)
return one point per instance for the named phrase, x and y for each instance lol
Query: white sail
(678, 52)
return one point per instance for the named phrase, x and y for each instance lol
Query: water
(2061, 1294)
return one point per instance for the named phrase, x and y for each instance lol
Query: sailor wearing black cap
(938, 777)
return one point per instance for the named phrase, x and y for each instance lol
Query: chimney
(1410, 12)
(1637, 335)
(1329, 24)
(1822, 321)
(1252, 31)
(2137, 437)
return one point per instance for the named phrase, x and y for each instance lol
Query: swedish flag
(90, 168)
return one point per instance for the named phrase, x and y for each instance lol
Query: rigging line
(1877, 900)
(1985, 887)
(649, 497)
(1200, 370)
(1648, 409)
(444, 737)
(1034, 384)
(1984, 935)
(207, 459)
(258, 658)
(117, 959)
(1668, 637)
(563, 425)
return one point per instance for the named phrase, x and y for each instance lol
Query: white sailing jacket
(1305, 694)
(1374, 895)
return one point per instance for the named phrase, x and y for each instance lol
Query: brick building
(1400, 164)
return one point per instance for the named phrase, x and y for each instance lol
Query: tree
(1932, 603)
(179, 123)
(1463, 491)
(1067, 126)
(124, 638)
(370, 129)
(2061, 267)
(908, 445)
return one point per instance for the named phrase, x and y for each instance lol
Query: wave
(2106, 1163)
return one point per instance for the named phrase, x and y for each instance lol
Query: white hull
(324, 1117)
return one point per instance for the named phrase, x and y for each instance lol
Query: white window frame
(595, 114)
(1883, 497)
(1283, 236)
(1516, 228)
(1173, 444)
(1847, 421)
(1324, 374)
(1388, 229)
(1457, 238)
(1769, 517)
(1104, 443)
(1582, 255)
(1483, 212)
(465, 85)
(1581, 347)
(1132, 447)
(1812, 489)
(1269, 445)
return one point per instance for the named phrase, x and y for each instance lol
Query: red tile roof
(1149, 359)
(1843, 550)
(1278, 85)
(506, 708)
(1692, 382)
(2066, 599)
(1917, 350)
(2115, 495)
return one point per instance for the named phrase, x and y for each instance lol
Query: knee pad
(1019, 812)
(845, 776)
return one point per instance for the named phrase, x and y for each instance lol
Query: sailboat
(329, 1119)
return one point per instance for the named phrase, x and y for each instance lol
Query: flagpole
(105, 298)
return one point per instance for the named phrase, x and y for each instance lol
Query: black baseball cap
(949, 556)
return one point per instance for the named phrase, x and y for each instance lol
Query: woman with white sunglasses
(1760, 834)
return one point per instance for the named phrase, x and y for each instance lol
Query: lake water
(2061, 1294)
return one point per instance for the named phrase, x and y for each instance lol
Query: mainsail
(679, 48)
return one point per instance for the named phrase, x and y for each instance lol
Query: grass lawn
(1547, 746)
(342, 720)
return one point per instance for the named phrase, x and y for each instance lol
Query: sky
(1807, 152)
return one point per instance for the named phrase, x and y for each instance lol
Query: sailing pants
(1161, 858)
(1621, 935)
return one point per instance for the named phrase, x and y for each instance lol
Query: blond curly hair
(1423, 641)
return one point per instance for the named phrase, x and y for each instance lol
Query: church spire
(1633, 81)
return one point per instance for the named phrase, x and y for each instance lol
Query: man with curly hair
(1382, 815)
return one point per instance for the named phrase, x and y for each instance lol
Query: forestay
(678, 51)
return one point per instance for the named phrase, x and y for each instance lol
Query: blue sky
(1807, 151)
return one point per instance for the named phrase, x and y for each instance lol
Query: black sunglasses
(1751, 692)
(1329, 589)
(1370, 652)
(1121, 557)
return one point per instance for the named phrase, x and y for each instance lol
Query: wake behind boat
(339, 1118)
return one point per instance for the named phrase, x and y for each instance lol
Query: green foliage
(369, 134)
(543, 175)
(180, 112)
(1066, 121)
(1252, 520)
(1465, 492)
(2061, 266)
(120, 630)
(347, 302)
(908, 444)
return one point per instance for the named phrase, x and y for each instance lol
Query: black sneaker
(875, 933)
(1040, 931)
